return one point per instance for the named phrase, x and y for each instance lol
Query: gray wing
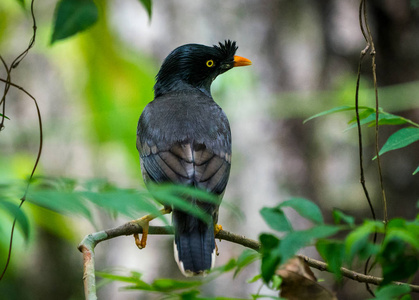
(188, 163)
(185, 139)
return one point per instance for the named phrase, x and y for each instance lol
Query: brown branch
(88, 244)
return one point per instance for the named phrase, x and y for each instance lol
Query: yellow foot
(144, 224)
(217, 229)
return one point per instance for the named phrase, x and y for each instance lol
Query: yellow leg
(144, 223)
(217, 229)
(216, 249)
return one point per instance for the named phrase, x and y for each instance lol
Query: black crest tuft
(228, 49)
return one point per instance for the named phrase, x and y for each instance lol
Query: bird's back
(188, 133)
(184, 137)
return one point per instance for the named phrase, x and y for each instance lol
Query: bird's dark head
(196, 66)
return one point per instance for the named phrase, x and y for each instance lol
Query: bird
(184, 137)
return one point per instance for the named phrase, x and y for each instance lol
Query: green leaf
(270, 257)
(134, 279)
(383, 119)
(416, 171)
(188, 295)
(400, 139)
(399, 257)
(398, 261)
(391, 292)
(357, 243)
(339, 216)
(259, 296)
(76, 198)
(230, 265)
(305, 208)
(407, 232)
(276, 219)
(148, 6)
(333, 253)
(296, 240)
(389, 119)
(247, 257)
(63, 202)
(73, 16)
(414, 3)
(21, 3)
(16, 212)
(127, 202)
(330, 111)
(362, 116)
(169, 285)
(1, 115)
(275, 252)
(276, 282)
(183, 191)
(255, 278)
(182, 204)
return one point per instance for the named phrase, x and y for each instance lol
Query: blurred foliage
(81, 198)
(391, 292)
(182, 289)
(401, 138)
(294, 104)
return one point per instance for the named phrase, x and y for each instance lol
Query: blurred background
(92, 88)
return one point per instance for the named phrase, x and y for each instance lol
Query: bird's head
(196, 66)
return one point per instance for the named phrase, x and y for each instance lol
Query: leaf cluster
(182, 289)
(397, 255)
(82, 198)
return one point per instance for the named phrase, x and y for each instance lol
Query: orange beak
(241, 61)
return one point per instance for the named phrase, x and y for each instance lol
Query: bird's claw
(144, 224)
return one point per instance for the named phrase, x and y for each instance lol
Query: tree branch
(89, 243)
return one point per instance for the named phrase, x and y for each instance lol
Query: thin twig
(8, 83)
(358, 121)
(360, 146)
(38, 111)
(38, 157)
(363, 21)
(89, 243)
(377, 151)
(5, 91)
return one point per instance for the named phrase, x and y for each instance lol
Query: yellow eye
(210, 63)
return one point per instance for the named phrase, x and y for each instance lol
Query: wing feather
(187, 163)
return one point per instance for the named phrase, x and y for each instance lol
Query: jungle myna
(184, 137)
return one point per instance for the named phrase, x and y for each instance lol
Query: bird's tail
(194, 244)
